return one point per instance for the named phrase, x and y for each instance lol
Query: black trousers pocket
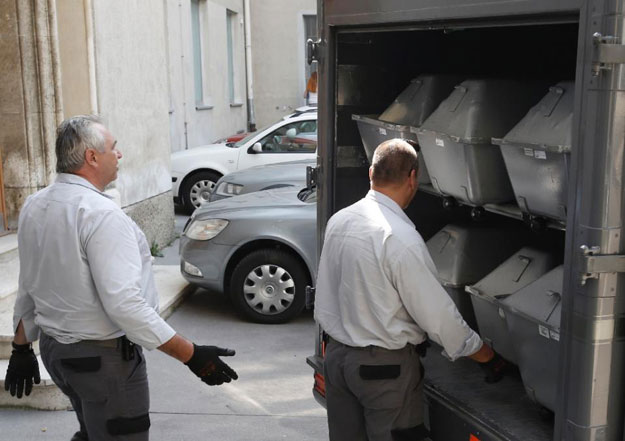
(411, 434)
(83, 364)
(379, 372)
(125, 426)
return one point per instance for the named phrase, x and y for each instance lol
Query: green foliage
(155, 250)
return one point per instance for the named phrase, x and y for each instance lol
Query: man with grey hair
(87, 292)
(377, 299)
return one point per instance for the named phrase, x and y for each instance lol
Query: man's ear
(412, 177)
(90, 157)
(370, 172)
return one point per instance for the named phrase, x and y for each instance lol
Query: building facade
(279, 30)
(165, 76)
(206, 68)
(62, 58)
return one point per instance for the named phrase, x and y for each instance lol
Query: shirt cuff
(31, 330)
(160, 334)
(471, 345)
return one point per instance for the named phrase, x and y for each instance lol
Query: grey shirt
(377, 283)
(85, 269)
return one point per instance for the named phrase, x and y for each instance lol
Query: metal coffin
(523, 268)
(409, 109)
(537, 154)
(465, 254)
(456, 138)
(533, 318)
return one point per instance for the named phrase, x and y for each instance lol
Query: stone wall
(30, 99)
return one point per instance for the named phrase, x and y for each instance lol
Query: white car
(195, 171)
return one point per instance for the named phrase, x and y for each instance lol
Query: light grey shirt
(377, 283)
(85, 269)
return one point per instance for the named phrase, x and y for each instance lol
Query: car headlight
(205, 229)
(228, 189)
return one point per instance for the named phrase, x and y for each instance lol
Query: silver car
(262, 177)
(259, 248)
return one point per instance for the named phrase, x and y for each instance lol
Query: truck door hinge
(608, 51)
(592, 263)
(311, 176)
(313, 50)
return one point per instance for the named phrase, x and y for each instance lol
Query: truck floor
(500, 411)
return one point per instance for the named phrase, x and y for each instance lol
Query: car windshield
(308, 195)
(246, 139)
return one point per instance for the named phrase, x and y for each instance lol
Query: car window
(248, 137)
(296, 137)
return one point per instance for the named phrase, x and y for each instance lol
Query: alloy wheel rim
(201, 192)
(269, 289)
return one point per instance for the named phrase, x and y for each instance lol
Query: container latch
(592, 263)
(608, 51)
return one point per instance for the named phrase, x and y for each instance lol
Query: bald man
(377, 299)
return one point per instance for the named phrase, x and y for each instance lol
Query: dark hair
(394, 160)
(73, 137)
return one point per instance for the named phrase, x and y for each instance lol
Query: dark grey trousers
(110, 395)
(373, 394)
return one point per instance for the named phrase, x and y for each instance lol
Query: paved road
(272, 400)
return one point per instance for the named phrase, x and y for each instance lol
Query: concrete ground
(272, 400)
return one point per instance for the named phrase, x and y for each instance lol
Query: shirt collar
(70, 178)
(389, 203)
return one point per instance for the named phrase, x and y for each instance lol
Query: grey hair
(393, 160)
(73, 137)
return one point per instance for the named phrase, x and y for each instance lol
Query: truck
(367, 53)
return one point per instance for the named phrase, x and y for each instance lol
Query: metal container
(409, 109)
(465, 254)
(537, 154)
(456, 138)
(524, 267)
(533, 318)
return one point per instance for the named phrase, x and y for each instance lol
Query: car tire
(268, 286)
(196, 189)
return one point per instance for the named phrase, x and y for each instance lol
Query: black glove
(495, 368)
(22, 371)
(206, 364)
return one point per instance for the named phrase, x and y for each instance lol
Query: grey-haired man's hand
(23, 370)
(206, 364)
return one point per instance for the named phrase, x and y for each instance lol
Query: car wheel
(268, 286)
(197, 189)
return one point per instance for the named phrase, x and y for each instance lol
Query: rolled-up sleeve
(430, 306)
(116, 267)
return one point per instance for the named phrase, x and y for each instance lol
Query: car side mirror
(257, 148)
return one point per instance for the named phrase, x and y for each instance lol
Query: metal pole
(251, 117)
(591, 406)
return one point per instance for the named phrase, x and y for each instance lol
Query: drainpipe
(93, 87)
(251, 117)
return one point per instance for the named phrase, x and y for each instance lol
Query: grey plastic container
(409, 109)
(533, 318)
(465, 254)
(373, 132)
(523, 268)
(456, 138)
(537, 154)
